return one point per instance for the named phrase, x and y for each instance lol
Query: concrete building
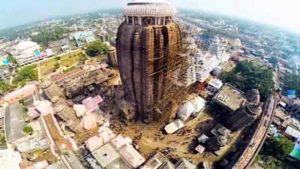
(109, 158)
(82, 38)
(184, 164)
(9, 159)
(60, 46)
(26, 52)
(22, 93)
(131, 156)
(213, 86)
(191, 107)
(229, 99)
(158, 161)
(5, 72)
(57, 165)
(148, 43)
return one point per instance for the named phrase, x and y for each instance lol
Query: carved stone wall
(146, 54)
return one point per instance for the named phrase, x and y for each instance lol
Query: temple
(148, 43)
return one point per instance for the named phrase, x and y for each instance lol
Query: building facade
(243, 117)
(148, 43)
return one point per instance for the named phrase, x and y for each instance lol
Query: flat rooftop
(106, 155)
(14, 122)
(230, 97)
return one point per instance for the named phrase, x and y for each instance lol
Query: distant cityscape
(149, 87)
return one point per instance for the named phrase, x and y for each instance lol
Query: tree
(249, 75)
(96, 48)
(56, 65)
(273, 60)
(279, 147)
(28, 73)
(47, 35)
(4, 86)
(28, 130)
(274, 152)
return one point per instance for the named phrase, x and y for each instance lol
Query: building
(158, 161)
(109, 158)
(57, 165)
(51, 90)
(77, 80)
(148, 43)
(191, 107)
(68, 115)
(112, 57)
(9, 159)
(187, 75)
(228, 99)
(294, 133)
(92, 104)
(131, 156)
(174, 126)
(70, 159)
(82, 38)
(184, 164)
(293, 110)
(60, 46)
(213, 86)
(220, 138)
(26, 52)
(5, 72)
(22, 93)
(243, 117)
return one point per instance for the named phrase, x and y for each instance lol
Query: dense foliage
(47, 35)
(250, 75)
(23, 75)
(4, 86)
(274, 153)
(96, 48)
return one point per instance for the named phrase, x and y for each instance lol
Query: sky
(283, 13)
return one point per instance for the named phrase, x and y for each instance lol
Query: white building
(82, 38)
(26, 52)
(213, 86)
(201, 64)
(10, 159)
(191, 107)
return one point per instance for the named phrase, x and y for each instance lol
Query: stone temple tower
(148, 43)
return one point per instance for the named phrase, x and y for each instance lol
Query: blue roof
(5, 62)
(291, 93)
(296, 151)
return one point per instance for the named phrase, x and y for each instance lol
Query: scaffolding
(174, 93)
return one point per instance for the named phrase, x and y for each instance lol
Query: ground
(64, 61)
(150, 138)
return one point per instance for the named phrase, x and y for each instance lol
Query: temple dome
(150, 8)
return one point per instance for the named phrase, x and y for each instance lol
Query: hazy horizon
(281, 13)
